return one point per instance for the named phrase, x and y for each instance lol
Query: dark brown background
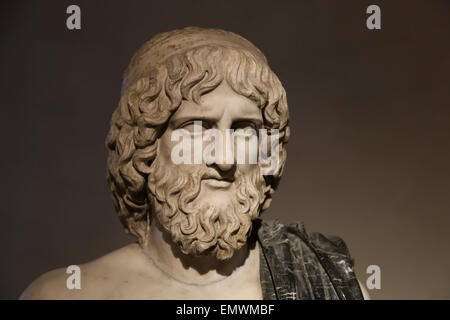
(369, 154)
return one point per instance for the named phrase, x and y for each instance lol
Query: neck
(200, 270)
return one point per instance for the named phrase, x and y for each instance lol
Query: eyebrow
(256, 121)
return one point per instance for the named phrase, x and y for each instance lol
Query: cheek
(165, 148)
(247, 168)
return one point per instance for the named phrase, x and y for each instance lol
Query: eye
(246, 132)
(245, 128)
(191, 125)
(246, 124)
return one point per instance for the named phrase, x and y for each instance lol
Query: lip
(218, 183)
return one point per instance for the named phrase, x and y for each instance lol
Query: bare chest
(244, 287)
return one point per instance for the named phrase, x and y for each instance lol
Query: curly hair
(147, 104)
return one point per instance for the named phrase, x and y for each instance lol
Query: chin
(220, 250)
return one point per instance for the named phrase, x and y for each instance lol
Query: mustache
(212, 173)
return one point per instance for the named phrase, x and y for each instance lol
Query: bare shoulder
(96, 278)
(50, 285)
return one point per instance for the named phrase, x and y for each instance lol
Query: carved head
(207, 76)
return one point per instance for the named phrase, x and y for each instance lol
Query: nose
(223, 167)
(227, 164)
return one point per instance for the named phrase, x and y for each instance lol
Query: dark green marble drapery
(295, 265)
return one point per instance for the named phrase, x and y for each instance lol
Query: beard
(204, 227)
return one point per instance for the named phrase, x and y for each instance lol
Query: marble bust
(197, 224)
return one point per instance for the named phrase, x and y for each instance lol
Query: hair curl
(146, 106)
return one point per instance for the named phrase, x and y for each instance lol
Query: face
(208, 207)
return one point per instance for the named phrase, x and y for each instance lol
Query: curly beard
(202, 227)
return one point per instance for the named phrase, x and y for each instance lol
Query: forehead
(217, 103)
